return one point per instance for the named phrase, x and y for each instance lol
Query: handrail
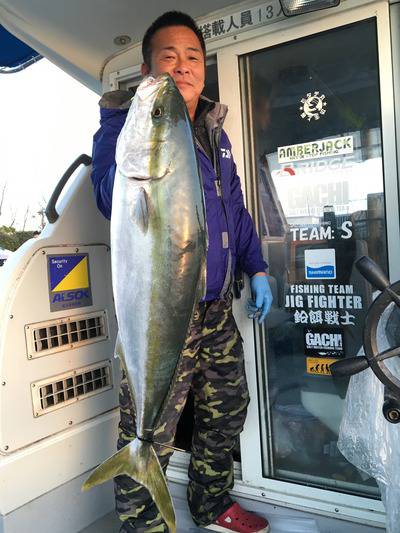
(22, 66)
(51, 212)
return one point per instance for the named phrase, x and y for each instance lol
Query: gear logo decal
(313, 106)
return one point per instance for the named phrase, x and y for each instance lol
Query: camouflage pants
(212, 366)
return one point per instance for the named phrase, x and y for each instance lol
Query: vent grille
(65, 333)
(65, 389)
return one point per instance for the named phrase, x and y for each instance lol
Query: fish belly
(156, 275)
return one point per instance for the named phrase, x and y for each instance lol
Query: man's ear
(145, 70)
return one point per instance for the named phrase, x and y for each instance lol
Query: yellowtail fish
(158, 249)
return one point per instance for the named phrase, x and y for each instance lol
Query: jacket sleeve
(248, 245)
(113, 111)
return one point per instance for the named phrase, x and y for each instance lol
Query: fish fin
(141, 210)
(119, 349)
(202, 285)
(139, 461)
(119, 353)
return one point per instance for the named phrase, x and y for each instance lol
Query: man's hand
(116, 99)
(261, 294)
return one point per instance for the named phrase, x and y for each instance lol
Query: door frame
(327, 502)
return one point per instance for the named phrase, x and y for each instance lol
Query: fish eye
(158, 112)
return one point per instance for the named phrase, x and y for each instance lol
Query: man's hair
(170, 18)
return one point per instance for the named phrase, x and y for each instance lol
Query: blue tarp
(13, 52)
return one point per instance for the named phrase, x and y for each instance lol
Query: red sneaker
(240, 521)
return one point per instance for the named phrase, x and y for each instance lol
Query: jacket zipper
(217, 170)
(225, 241)
(218, 186)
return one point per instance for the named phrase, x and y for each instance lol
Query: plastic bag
(366, 439)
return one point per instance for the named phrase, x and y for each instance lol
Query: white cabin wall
(40, 452)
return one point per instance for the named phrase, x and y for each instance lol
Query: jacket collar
(215, 115)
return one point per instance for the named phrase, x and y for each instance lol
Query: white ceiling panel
(78, 35)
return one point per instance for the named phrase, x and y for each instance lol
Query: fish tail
(139, 461)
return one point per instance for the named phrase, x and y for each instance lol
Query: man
(212, 363)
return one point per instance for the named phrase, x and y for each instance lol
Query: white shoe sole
(215, 527)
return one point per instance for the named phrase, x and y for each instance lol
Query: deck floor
(279, 524)
(282, 520)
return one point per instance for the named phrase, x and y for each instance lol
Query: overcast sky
(47, 119)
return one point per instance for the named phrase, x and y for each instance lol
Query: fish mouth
(152, 84)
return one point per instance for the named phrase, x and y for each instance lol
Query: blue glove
(261, 301)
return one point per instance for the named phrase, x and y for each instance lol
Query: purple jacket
(232, 238)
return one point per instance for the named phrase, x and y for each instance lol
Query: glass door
(313, 107)
(314, 114)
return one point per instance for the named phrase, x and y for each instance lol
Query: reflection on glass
(211, 89)
(315, 116)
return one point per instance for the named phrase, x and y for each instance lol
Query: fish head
(146, 146)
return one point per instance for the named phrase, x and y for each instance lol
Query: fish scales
(158, 248)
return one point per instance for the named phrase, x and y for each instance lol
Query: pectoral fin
(141, 210)
(202, 286)
(119, 350)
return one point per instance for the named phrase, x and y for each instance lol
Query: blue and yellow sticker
(69, 281)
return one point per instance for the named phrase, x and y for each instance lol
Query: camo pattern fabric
(212, 366)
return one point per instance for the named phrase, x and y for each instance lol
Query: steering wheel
(373, 358)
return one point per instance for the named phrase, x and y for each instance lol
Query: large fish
(158, 250)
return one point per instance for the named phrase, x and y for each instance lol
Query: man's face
(177, 50)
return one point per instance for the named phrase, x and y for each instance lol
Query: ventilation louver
(59, 391)
(66, 333)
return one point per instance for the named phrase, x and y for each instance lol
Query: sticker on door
(320, 263)
(319, 367)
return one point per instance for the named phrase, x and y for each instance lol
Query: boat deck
(282, 520)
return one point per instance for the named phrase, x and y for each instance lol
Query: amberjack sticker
(332, 147)
(69, 281)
